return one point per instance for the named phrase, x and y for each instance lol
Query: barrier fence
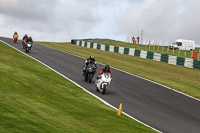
(170, 59)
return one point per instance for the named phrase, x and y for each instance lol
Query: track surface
(161, 108)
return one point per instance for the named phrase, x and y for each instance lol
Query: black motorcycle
(89, 72)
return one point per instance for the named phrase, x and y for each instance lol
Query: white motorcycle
(103, 82)
(28, 47)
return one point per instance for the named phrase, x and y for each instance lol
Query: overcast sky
(62, 20)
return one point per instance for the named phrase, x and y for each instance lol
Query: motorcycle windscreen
(107, 76)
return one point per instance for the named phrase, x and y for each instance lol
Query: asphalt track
(155, 105)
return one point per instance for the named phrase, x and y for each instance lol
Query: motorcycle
(28, 46)
(102, 82)
(89, 72)
(15, 38)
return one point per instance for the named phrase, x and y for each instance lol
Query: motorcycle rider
(25, 37)
(29, 39)
(105, 69)
(15, 33)
(88, 61)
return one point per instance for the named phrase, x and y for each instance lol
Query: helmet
(107, 68)
(92, 57)
(25, 34)
(29, 36)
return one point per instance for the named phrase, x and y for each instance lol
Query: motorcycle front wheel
(90, 75)
(27, 50)
(85, 77)
(97, 89)
(104, 89)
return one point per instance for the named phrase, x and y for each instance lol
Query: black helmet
(92, 57)
(107, 68)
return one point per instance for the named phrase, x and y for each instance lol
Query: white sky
(62, 20)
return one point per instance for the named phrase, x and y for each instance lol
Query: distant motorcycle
(90, 70)
(28, 46)
(103, 82)
(15, 38)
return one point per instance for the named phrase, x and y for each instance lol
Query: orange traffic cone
(120, 109)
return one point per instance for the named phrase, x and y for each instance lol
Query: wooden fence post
(179, 50)
(168, 48)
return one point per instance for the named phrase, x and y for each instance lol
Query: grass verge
(180, 78)
(33, 98)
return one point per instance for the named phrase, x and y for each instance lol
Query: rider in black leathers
(25, 37)
(29, 39)
(89, 61)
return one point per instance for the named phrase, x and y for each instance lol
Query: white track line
(106, 103)
(130, 74)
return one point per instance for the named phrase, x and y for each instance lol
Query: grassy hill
(33, 98)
